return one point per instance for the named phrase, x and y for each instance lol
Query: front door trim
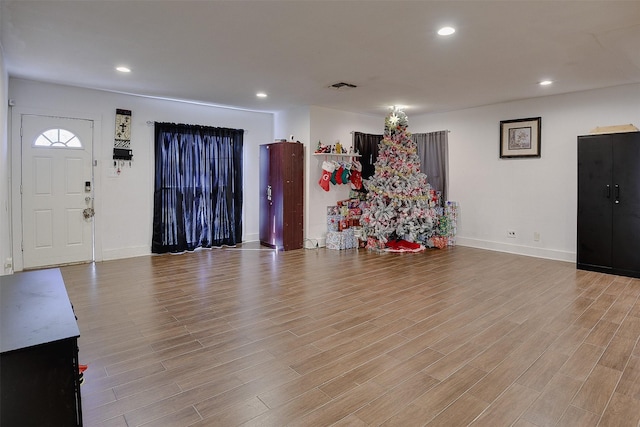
(15, 148)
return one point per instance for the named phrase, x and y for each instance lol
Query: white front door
(57, 190)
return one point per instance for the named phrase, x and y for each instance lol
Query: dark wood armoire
(609, 203)
(282, 195)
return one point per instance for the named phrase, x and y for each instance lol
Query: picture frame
(520, 138)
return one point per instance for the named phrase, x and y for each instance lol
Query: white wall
(5, 173)
(310, 125)
(124, 203)
(525, 195)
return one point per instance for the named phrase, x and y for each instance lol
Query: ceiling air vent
(342, 85)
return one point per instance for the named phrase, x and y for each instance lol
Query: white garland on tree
(399, 199)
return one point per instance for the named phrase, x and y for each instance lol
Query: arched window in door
(60, 138)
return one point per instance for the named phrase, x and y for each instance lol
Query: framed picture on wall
(520, 138)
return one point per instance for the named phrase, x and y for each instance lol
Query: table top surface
(34, 310)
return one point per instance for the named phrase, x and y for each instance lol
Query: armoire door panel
(626, 201)
(595, 168)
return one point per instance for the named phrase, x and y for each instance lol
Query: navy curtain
(366, 144)
(198, 187)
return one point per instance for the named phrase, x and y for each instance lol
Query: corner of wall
(6, 258)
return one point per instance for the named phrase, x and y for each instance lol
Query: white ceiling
(223, 52)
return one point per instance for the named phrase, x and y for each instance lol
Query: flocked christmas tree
(400, 205)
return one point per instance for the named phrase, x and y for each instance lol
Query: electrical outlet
(511, 234)
(536, 236)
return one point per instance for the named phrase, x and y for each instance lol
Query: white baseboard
(132, 252)
(253, 237)
(310, 243)
(314, 242)
(517, 249)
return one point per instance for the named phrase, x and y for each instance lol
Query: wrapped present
(350, 239)
(333, 222)
(444, 226)
(440, 242)
(335, 240)
(373, 243)
(451, 209)
(342, 240)
(333, 210)
(344, 225)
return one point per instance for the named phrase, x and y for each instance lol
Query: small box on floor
(341, 240)
(335, 240)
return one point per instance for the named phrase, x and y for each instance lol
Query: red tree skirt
(402, 245)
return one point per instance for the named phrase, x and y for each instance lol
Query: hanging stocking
(327, 169)
(346, 173)
(334, 172)
(356, 175)
(339, 171)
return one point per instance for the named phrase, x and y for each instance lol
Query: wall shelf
(337, 154)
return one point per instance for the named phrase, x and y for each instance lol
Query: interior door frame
(16, 177)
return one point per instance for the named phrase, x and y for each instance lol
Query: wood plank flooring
(452, 337)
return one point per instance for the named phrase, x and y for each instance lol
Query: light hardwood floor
(450, 337)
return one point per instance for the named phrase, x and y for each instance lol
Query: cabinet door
(293, 173)
(276, 221)
(265, 199)
(626, 202)
(271, 195)
(595, 192)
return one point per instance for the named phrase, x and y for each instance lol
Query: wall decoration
(122, 143)
(520, 138)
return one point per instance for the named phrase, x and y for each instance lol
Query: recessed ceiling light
(261, 95)
(123, 69)
(446, 31)
(545, 82)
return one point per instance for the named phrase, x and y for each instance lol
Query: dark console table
(39, 379)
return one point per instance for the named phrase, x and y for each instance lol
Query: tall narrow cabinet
(282, 195)
(609, 203)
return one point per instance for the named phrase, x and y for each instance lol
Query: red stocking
(339, 174)
(356, 175)
(327, 169)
